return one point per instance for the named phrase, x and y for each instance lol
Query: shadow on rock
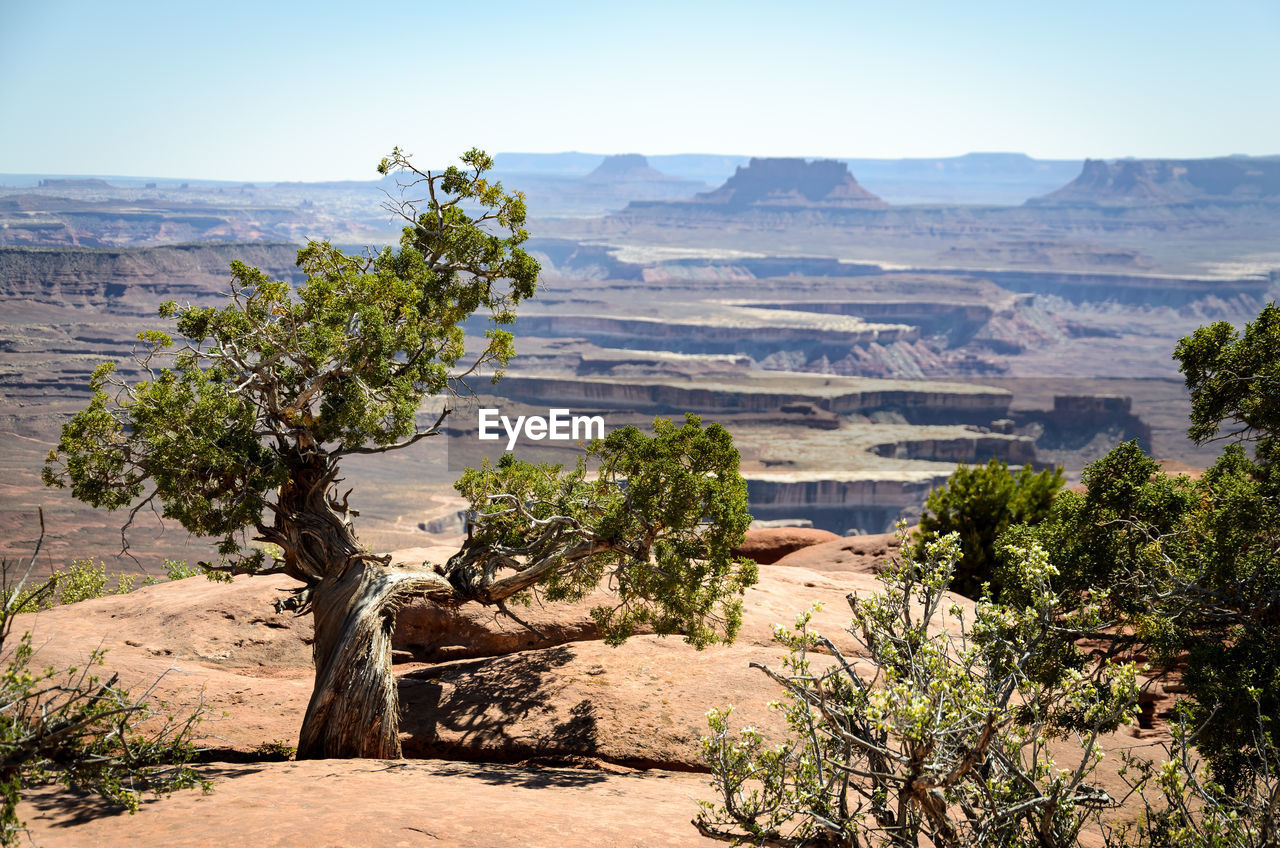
(471, 709)
(525, 777)
(73, 807)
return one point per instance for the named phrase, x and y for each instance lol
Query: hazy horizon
(319, 91)
(569, 172)
(498, 154)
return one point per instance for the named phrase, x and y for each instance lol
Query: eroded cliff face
(841, 506)
(969, 448)
(792, 182)
(132, 280)
(856, 495)
(739, 332)
(917, 403)
(1129, 182)
(711, 337)
(103, 215)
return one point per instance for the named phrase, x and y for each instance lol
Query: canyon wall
(132, 279)
(930, 403)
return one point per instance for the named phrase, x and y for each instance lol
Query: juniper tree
(1190, 567)
(240, 431)
(980, 502)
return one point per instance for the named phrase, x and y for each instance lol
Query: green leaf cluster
(83, 580)
(1190, 566)
(658, 516)
(945, 734)
(1234, 379)
(979, 503)
(340, 363)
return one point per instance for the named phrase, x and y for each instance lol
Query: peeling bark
(354, 706)
(354, 709)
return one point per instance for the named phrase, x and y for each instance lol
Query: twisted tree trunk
(354, 709)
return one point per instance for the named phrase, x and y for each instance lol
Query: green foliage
(1185, 807)
(945, 734)
(241, 429)
(1097, 538)
(979, 503)
(1190, 570)
(276, 751)
(179, 570)
(1191, 566)
(86, 579)
(1183, 569)
(83, 580)
(340, 363)
(659, 517)
(1234, 378)
(68, 725)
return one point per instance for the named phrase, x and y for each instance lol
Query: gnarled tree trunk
(354, 707)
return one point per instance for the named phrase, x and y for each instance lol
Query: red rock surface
(767, 545)
(861, 554)
(323, 803)
(217, 642)
(509, 697)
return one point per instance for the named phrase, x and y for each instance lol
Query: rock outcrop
(856, 503)
(133, 279)
(474, 685)
(498, 730)
(823, 183)
(1077, 419)
(1129, 182)
(126, 219)
(921, 402)
(625, 167)
(863, 554)
(740, 330)
(325, 803)
(767, 545)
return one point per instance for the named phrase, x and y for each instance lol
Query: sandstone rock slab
(767, 545)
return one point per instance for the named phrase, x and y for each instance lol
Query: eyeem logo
(560, 425)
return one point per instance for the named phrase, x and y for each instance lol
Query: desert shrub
(179, 570)
(275, 751)
(979, 502)
(84, 579)
(70, 726)
(1097, 537)
(1185, 807)
(1191, 567)
(944, 736)
(1191, 571)
(87, 579)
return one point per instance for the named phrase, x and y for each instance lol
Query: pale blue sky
(320, 90)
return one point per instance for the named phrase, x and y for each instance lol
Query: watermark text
(560, 425)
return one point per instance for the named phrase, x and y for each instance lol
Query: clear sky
(320, 90)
